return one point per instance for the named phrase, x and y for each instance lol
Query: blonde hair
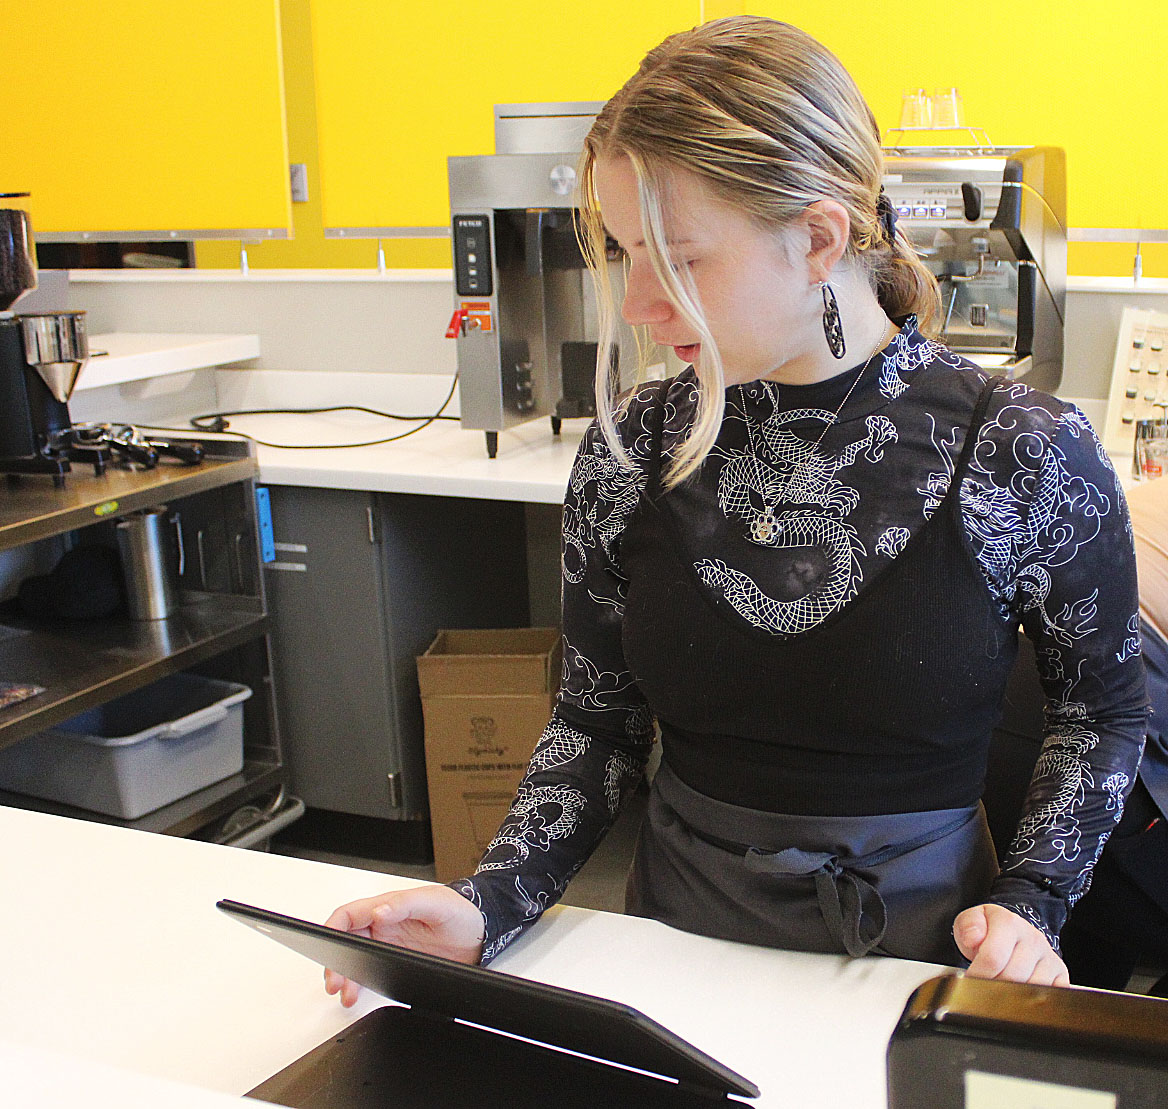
(770, 122)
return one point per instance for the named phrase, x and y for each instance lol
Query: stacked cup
(942, 110)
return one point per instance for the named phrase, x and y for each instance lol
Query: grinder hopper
(17, 269)
(56, 346)
(41, 356)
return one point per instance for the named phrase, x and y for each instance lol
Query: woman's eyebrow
(641, 242)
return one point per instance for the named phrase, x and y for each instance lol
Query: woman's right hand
(432, 919)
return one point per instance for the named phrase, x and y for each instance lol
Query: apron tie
(850, 905)
(846, 899)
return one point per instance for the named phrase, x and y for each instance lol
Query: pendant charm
(766, 529)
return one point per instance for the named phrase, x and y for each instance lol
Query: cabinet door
(447, 562)
(401, 87)
(361, 586)
(129, 115)
(328, 619)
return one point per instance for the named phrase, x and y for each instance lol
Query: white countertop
(35, 1077)
(532, 464)
(442, 459)
(119, 961)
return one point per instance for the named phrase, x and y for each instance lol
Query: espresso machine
(990, 222)
(524, 305)
(40, 358)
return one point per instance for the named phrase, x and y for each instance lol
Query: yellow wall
(1064, 74)
(129, 115)
(719, 9)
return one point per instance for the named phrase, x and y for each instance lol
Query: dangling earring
(832, 327)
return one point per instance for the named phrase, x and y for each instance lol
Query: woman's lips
(689, 352)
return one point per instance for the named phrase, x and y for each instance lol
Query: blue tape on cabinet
(264, 519)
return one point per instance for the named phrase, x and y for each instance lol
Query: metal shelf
(86, 664)
(33, 508)
(181, 817)
(82, 664)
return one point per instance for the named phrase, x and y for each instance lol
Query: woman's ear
(827, 226)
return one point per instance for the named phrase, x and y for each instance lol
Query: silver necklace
(767, 527)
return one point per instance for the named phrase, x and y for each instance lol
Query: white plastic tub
(135, 754)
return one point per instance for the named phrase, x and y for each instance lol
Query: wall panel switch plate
(298, 174)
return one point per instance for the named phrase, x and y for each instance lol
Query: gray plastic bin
(133, 755)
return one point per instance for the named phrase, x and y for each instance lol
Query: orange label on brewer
(478, 314)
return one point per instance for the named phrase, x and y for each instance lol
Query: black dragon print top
(791, 525)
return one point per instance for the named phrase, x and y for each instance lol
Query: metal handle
(292, 812)
(534, 241)
(241, 576)
(204, 718)
(457, 325)
(202, 560)
(176, 519)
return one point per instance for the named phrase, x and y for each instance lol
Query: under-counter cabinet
(219, 630)
(360, 585)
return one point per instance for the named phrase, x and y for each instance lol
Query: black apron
(797, 844)
(889, 885)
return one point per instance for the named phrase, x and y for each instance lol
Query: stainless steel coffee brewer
(525, 312)
(40, 358)
(991, 224)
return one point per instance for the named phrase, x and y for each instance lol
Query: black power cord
(216, 422)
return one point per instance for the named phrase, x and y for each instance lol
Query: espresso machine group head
(40, 358)
(991, 225)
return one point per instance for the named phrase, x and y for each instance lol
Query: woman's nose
(645, 301)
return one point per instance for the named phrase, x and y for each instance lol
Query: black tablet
(564, 1020)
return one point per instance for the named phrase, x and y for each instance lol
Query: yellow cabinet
(401, 86)
(137, 116)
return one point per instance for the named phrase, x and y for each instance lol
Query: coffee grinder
(40, 358)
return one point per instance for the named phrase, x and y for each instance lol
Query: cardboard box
(487, 696)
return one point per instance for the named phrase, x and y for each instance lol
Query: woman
(1122, 922)
(807, 558)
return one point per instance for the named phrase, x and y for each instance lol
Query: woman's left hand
(1000, 944)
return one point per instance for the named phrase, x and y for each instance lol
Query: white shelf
(1145, 286)
(442, 275)
(132, 356)
(260, 276)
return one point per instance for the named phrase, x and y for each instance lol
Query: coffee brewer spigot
(40, 358)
